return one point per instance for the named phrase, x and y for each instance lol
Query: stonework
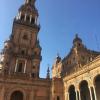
(75, 77)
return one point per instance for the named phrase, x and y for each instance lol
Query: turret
(57, 67)
(48, 73)
(77, 42)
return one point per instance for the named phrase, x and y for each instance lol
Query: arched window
(17, 95)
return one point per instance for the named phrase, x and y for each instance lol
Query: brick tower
(21, 57)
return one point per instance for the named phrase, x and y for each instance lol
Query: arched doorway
(84, 91)
(97, 86)
(72, 94)
(17, 95)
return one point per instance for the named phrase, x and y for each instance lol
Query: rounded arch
(97, 86)
(17, 95)
(95, 78)
(84, 90)
(72, 93)
(83, 82)
(71, 87)
(20, 90)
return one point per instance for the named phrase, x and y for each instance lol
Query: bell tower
(22, 52)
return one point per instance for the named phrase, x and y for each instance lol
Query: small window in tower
(35, 53)
(79, 44)
(32, 21)
(23, 51)
(33, 75)
(20, 67)
(25, 37)
(33, 66)
(58, 98)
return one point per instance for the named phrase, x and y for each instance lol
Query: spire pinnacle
(30, 2)
(48, 72)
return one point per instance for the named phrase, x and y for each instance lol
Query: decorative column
(20, 15)
(95, 92)
(25, 17)
(77, 95)
(25, 66)
(65, 95)
(16, 65)
(30, 18)
(90, 93)
(35, 20)
(68, 96)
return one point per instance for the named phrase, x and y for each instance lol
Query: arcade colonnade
(85, 90)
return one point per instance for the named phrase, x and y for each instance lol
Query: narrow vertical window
(20, 67)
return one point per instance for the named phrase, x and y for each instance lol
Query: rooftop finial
(48, 72)
(76, 35)
(57, 54)
(30, 1)
(77, 39)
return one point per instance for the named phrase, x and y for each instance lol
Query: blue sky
(60, 20)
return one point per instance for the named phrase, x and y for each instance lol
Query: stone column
(16, 65)
(25, 17)
(30, 18)
(25, 66)
(90, 93)
(20, 15)
(79, 94)
(68, 96)
(65, 95)
(35, 20)
(95, 92)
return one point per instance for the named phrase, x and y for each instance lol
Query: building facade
(75, 77)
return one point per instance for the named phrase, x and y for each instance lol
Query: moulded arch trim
(11, 91)
(94, 79)
(71, 86)
(83, 81)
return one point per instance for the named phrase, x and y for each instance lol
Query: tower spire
(28, 14)
(30, 2)
(48, 73)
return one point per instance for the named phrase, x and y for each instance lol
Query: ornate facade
(75, 77)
